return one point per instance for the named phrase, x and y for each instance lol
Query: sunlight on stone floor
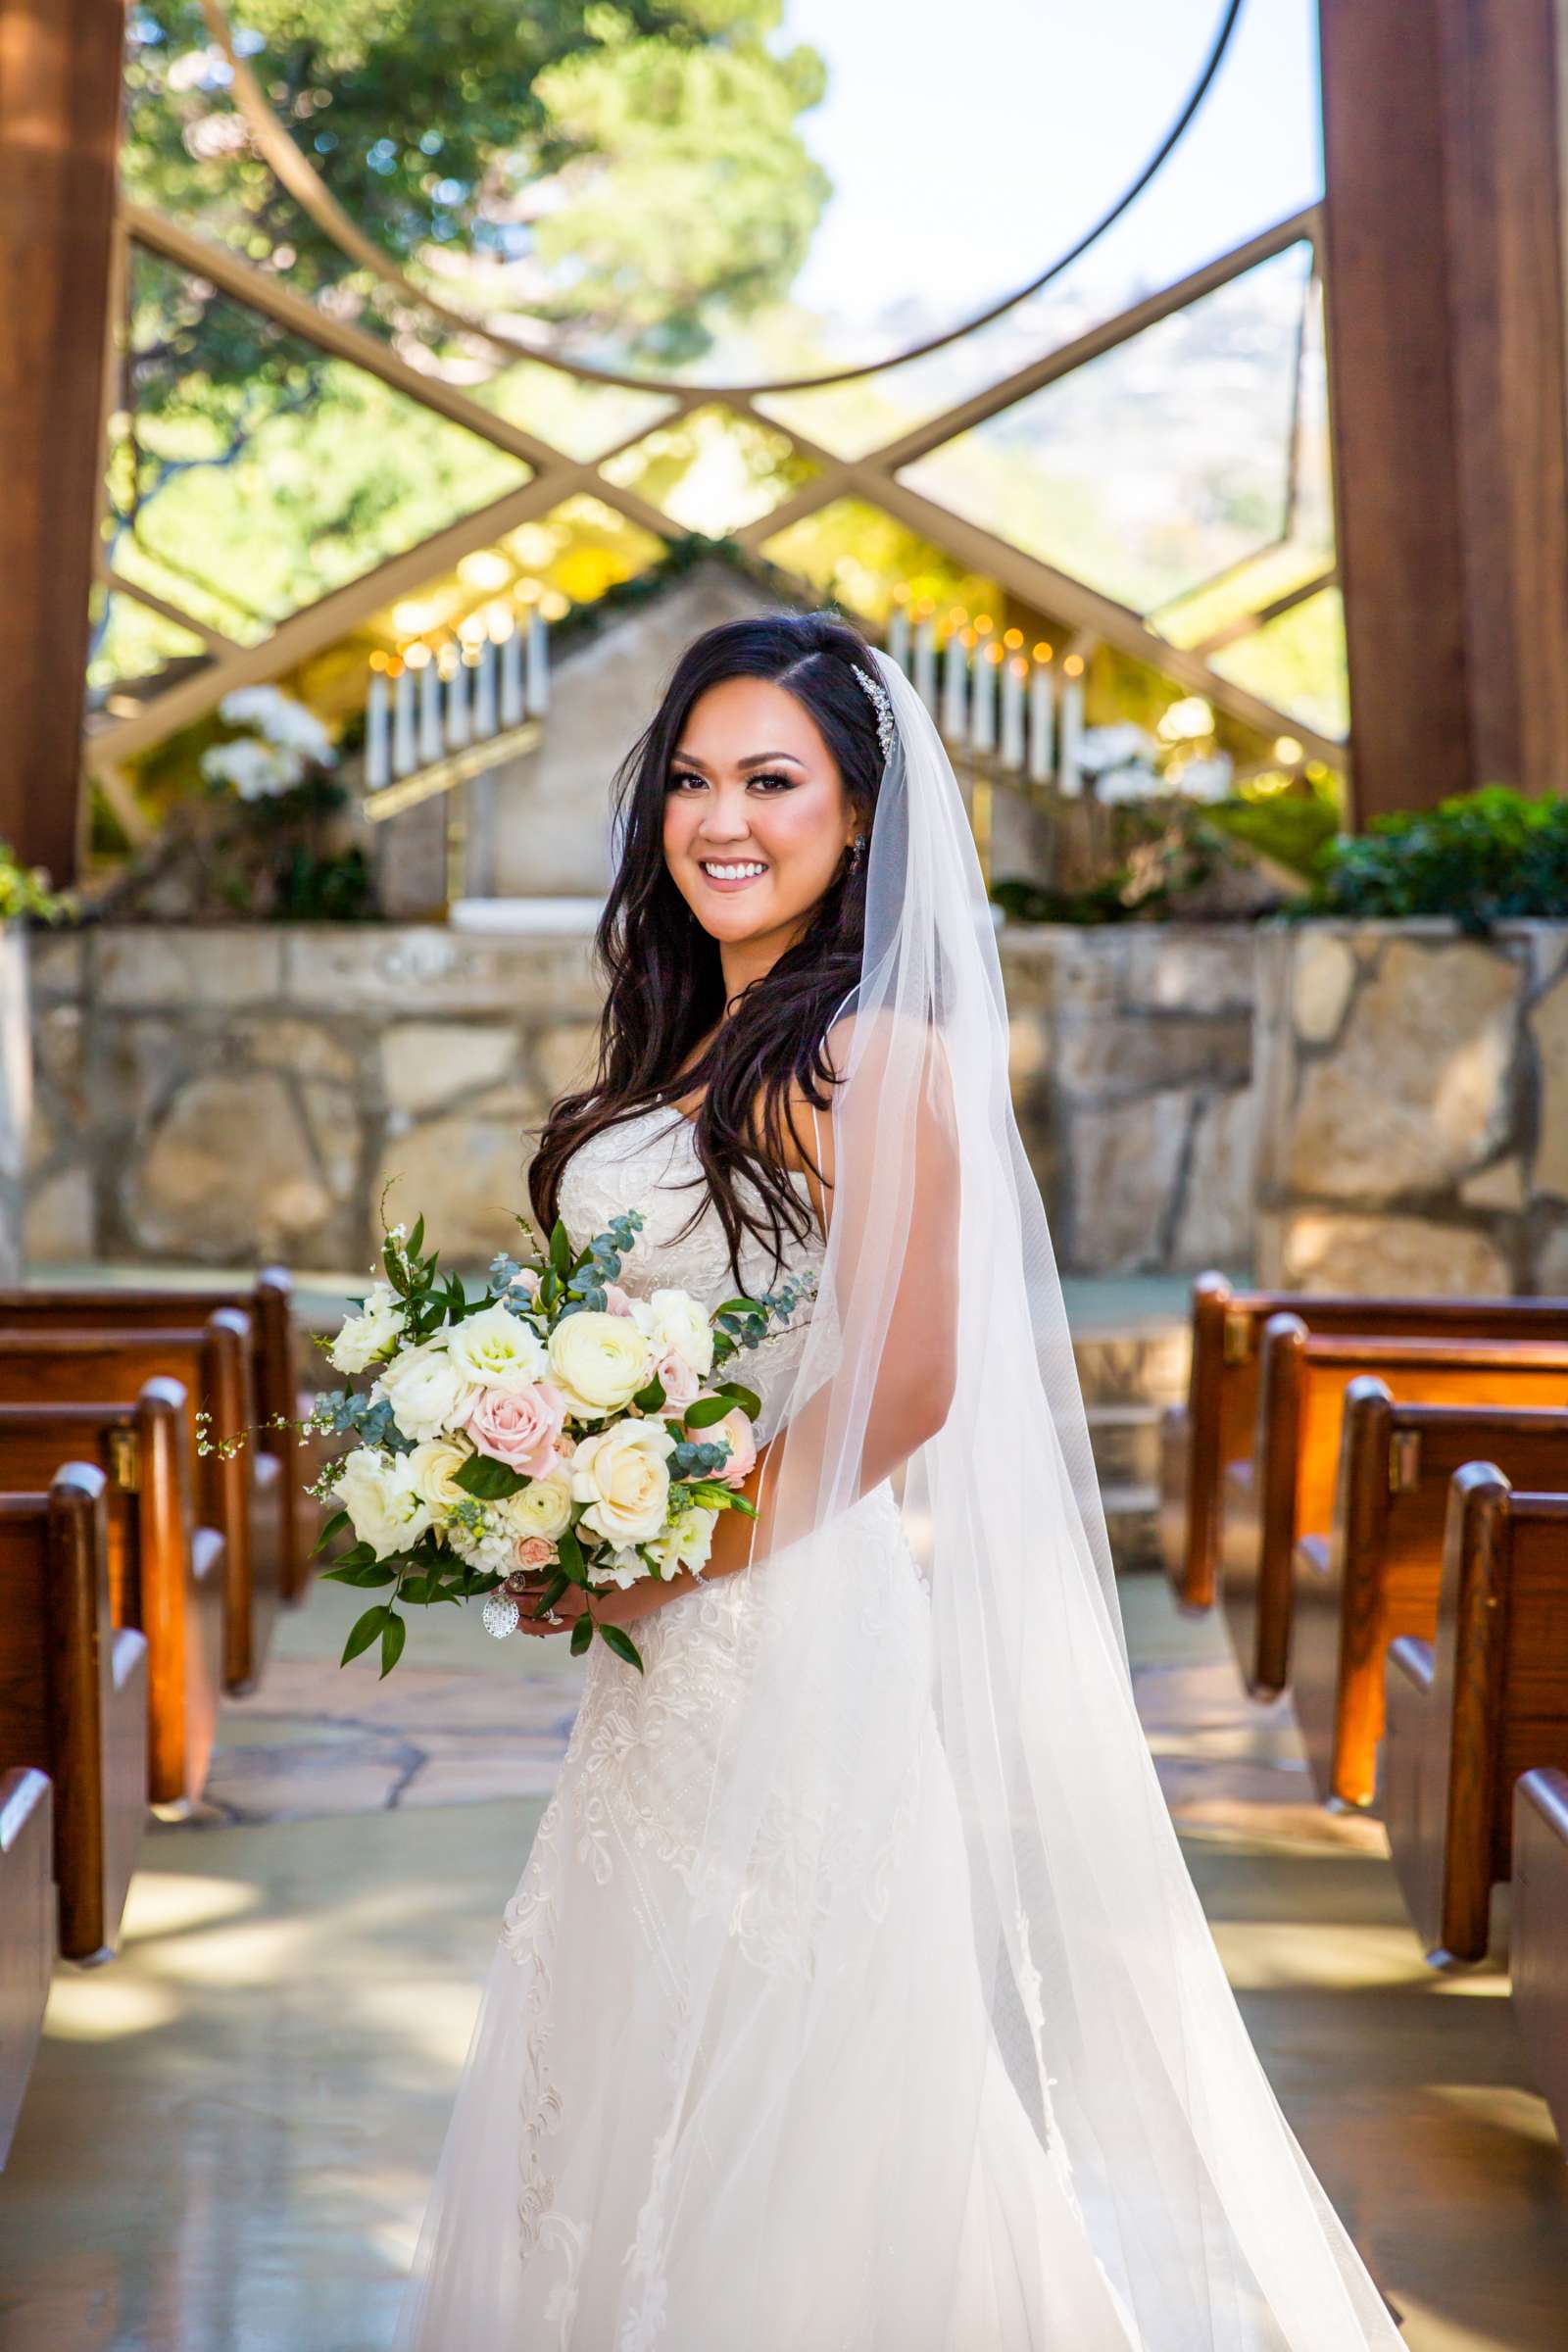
(230, 2130)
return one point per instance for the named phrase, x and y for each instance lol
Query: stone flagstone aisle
(229, 2132)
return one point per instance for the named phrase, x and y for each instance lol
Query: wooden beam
(1445, 286)
(60, 99)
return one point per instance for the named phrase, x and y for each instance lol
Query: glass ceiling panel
(712, 470)
(1147, 471)
(745, 199)
(857, 554)
(1298, 663)
(128, 641)
(256, 473)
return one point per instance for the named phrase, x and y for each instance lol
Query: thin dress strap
(817, 1141)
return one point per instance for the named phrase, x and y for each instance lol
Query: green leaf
(394, 1634)
(570, 1554)
(551, 1594)
(649, 1400)
(582, 1633)
(747, 1399)
(560, 1251)
(740, 1307)
(417, 1237)
(374, 1574)
(334, 1527)
(359, 1555)
(372, 1623)
(706, 1411)
(622, 1644)
(483, 1476)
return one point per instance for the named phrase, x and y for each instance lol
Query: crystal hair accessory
(878, 695)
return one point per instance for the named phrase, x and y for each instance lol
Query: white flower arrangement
(289, 742)
(556, 1427)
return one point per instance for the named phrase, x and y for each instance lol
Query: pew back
(165, 1574)
(27, 1932)
(74, 1698)
(1295, 1453)
(240, 1492)
(1538, 1933)
(1221, 1409)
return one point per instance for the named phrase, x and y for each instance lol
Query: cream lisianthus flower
(372, 1333)
(433, 1468)
(598, 1362)
(624, 1567)
(384, 1505)
(543, 1507)
(429, 1394)
(622, 1474)
(686, 1542)
(675, 1324)
(498, 1349)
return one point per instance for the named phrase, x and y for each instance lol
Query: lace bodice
(650, 1163)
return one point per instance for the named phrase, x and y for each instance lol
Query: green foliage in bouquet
(1482, 858)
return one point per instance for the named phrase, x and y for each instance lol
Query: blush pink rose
(735, 1432)
(521, 1427)
(616, 1300)
(680, 1383)
(535, 1551)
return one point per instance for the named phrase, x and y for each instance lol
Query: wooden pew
(277, 1388)
(1288, 1484)
(165, 1574)
(28, 1931)
(1471, 1710)
(1375, 1574)
(1537, 1933)
(1200, 1440)
(240, 1493)
(74, 1698)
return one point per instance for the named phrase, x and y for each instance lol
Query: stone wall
(213, 1096)
(1413, 1107)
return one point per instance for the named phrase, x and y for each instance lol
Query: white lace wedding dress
(551, 2227)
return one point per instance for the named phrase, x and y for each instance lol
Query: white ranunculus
(678, 1326)
(498, 1349)
(369, 1335)
(687, 1541)
(429, 1394)
(433, 1468)
(543, 1507)
(622, 1474)
(384, 1505)
(598, 1362)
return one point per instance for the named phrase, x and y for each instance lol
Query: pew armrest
(1414, 1661)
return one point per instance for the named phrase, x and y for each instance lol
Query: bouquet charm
(553, 1426)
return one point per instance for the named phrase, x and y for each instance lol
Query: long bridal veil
(1072, 1972)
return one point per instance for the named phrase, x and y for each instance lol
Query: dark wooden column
(1445, 281)
(60, 97)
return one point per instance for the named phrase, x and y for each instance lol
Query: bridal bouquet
(553, 1427)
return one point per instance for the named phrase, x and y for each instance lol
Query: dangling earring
(857, 852)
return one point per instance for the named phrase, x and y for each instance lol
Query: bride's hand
(611, 1608)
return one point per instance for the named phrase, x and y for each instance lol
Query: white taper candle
(430, 730)
(459, 723)
(1069, 779)
(511, 704)
(485, 692)
(983, 709)
(1013, 678)
(955, 689)
(405, 725)
(898, 635)
(538, 665)
(925, 665)
(377, 742)
(1042, 724)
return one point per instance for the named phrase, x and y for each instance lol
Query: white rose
(369, 1335)
(677, 1325)
(498, 1349)
(598, 1362)
(622, 1474)
(543, 1507)
(383, 1501)
(687, 1541)
(429, 1394)
(433, 1467)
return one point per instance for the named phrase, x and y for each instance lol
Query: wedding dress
(856, 1996)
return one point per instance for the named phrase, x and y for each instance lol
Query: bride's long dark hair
(665, 986)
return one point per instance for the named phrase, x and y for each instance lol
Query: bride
(855, 1998)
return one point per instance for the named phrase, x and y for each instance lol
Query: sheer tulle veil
(1101, 1987)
